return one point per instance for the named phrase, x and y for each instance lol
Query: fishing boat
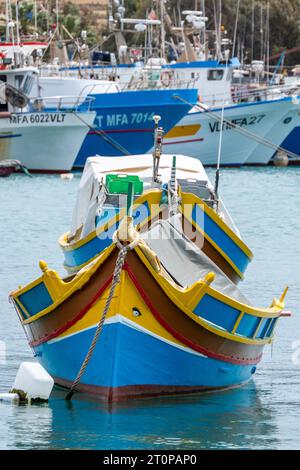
(37, 137)
(101, 204)
(148, 317)
(123, 123)
(7, 167)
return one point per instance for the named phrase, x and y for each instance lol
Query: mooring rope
(104, 135)
(115, 282)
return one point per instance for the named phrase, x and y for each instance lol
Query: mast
(217, 180)
(262, 48)
(218, 24)
(235, 27)
(17, 23)
(252, 30)
(268, 38)
(163, 32)
(203, 32)
(35, 15)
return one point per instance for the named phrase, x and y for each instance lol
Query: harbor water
(264, 414)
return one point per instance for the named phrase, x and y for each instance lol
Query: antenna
(130, 199)
(157, 150)
(173, 199)
(219, 158)
(217, 179)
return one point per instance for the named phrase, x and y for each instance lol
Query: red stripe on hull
(156, 314)
(29, 43)
(183, 141)
(179, 336)
(68, 325)
(117, 394)
(47, 172)
(120, 131)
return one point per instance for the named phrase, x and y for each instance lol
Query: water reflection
(233, 419)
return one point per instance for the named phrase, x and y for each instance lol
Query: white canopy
(184, 261)
(96, 168)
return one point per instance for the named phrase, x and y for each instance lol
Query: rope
(104, 136)
(246, 133)
(115, 282)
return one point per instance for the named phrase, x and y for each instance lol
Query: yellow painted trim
(238, 321)
(214, 244)
(29, 286)
(153, 198)
(269, 312)
(70, 287)
(193, 199)
(21, 306)
(183, 131)
(179, 297)
(74, 269)
(258, 327)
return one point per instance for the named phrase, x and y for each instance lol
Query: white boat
(255, 126)
(261, 124)
(286, 126)
(43, 141)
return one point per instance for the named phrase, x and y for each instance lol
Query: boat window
(229, 75)
(3, 103)
(18, 81)
(215, 74)
(28, 84)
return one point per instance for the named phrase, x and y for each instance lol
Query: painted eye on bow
(136, 312)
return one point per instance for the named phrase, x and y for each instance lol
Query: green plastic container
(118, 184)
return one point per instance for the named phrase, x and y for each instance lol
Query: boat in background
(36, 137)
(101, 204)
(7, 167)
(124, 120)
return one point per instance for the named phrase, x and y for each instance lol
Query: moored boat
(175, 324)
(123, 122)
(7, 167)
(100, 207)
(37, 137)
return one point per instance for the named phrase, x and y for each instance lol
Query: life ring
(166, 78)
(2, 65)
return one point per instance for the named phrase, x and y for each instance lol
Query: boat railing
(158, 84)
(89, 89)
(239, 95)
(63, 103)
(260, 93)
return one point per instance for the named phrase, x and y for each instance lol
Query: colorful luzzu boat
(176, 323)
(98, 210)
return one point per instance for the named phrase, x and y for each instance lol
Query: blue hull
(152, 366)
(292, 141)
(126, 121)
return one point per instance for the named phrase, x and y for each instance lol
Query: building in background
(97, 8)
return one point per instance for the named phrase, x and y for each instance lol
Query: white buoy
(280, 159)
(33, 382)
(67, 176)
(9, 397)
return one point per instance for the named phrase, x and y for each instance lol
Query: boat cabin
(19, 79)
